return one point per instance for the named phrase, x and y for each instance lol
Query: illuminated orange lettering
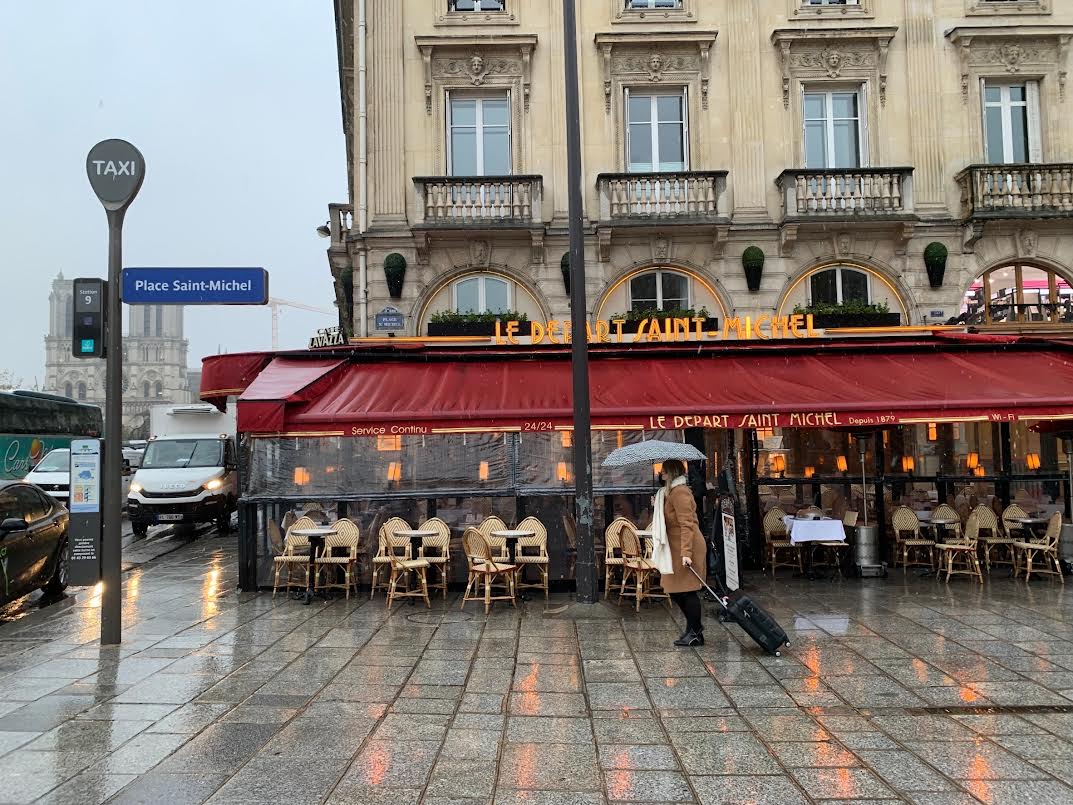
(654, 332)
(537, 332)
(682, 327)
(732, 324)
(553, 331)
(796, 321)
(759, 325)
(618, 329)
(512, 331)
(809, 322)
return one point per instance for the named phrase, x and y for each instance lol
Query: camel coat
(685, 539)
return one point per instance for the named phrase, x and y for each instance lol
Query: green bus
(32, 424)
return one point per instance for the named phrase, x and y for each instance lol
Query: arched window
(839, 284)
(158, 390)
(81, 391)
(481, 294)
(1018, 294)
(145, 389)
(69, 390)
(659, 290)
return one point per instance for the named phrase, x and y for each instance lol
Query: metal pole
(587, 591)
(111, 545)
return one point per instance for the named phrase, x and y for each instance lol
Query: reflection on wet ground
(897, 690)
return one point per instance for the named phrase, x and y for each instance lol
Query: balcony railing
(1010, 191)
(846, 192)
(469, 200)
(696, 195)
(340, 220)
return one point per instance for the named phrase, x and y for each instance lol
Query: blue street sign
(390, 318)
(195, 286)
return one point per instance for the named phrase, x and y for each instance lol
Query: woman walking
(687, 550)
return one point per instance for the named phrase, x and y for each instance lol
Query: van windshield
(178, 453)
(56, 461)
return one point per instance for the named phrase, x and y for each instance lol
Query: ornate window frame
(450, 19)
(453, 63)
(652, 60)
(862, 10)
(1028, 51)
(620, 14)
(983, 8)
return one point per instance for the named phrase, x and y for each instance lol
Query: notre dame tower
(154, 359)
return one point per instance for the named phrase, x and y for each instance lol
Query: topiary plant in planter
(450, 323)
(935, 255)
(752, 260)
(564, 266)
(395, 272)
(346, 312)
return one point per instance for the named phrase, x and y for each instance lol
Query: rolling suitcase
(751, 617)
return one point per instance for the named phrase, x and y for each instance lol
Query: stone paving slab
(222, 697)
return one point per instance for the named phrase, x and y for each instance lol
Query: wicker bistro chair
(484, 570)
(498, 544)
(947, 512)
(635, 568)
(777, 542)
(832, 554)
(408, 568)
(613, 554)
(294, 557)
(437, 551)
(963, 551)
(348, 538)
(389, 545)
(909, 543)
(537, 543)
(1014, 530)
(995, 545)
(1026, 553)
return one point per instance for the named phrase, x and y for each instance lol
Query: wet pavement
(904, 689)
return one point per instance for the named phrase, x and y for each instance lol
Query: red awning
(224, 376)
(849, 384)
(285, 381)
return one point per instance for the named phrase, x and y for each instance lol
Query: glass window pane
(464, 152)
(1018, 93)
(496, 112)
(496, 152)
(466, 296)
(844, 104)
(854, 286)
(640, 147)
(992, 94)
(463, 111)
(669, 108)
(824, 286)
(671, 151)
(496, 295)
(640, 108)
(675, 291)
(643, 292)
(815, 108)
(1019, 126)
(847, 146)
(995, 151)
(815, 145)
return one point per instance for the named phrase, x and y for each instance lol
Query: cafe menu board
(85, 476)
(730, 544)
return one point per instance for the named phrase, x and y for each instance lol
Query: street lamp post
(586, 556)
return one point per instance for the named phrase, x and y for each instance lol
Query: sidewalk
(888, 693)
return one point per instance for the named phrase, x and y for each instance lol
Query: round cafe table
(316, 543)
(939, 525)
(511, 537)
(1030, 524)
(415, 535)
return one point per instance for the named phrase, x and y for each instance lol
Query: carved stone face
(476, 64)
(1012, 55)
(834, 59)
(655, 63)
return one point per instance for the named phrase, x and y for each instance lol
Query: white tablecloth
(814, 530)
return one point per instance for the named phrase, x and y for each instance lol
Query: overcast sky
(235, 106)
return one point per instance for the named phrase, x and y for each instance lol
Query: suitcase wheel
(787, 644)
(778, 653)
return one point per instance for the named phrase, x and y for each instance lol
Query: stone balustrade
(689, 195)
(1002, 191)
(809, 193)
(467, 200)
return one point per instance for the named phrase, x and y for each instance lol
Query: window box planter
(487, 328)
(821, 321)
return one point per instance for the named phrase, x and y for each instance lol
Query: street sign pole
(115, 169)
(587, 591)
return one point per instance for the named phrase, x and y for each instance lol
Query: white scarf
(661, 548)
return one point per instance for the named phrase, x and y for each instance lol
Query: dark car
(33, 541)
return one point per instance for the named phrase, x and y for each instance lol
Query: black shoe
(689, 639)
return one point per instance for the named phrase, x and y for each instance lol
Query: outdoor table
(808, 530)
(1031, 523)
(316, 543)
(645, 537)
(939, 526)
(511, 537)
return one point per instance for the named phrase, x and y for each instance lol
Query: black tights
(689, 603)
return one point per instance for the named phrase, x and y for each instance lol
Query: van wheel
(58, 583)
(223, 523)
(140, 528)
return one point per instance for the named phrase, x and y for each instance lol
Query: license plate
(169, 518)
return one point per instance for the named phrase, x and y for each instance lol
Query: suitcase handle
(722, 599)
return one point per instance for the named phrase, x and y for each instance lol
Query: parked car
(53, 474)
(33, 541)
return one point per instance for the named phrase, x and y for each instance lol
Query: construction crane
(276, 304)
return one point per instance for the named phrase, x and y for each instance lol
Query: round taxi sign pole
(116, 170)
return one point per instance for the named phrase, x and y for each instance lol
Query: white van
(189, 471)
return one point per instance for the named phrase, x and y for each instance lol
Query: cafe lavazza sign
(739, 328)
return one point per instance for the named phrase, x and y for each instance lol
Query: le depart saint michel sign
(736, 328)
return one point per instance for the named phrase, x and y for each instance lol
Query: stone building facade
(836, 141)
(154, 358)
